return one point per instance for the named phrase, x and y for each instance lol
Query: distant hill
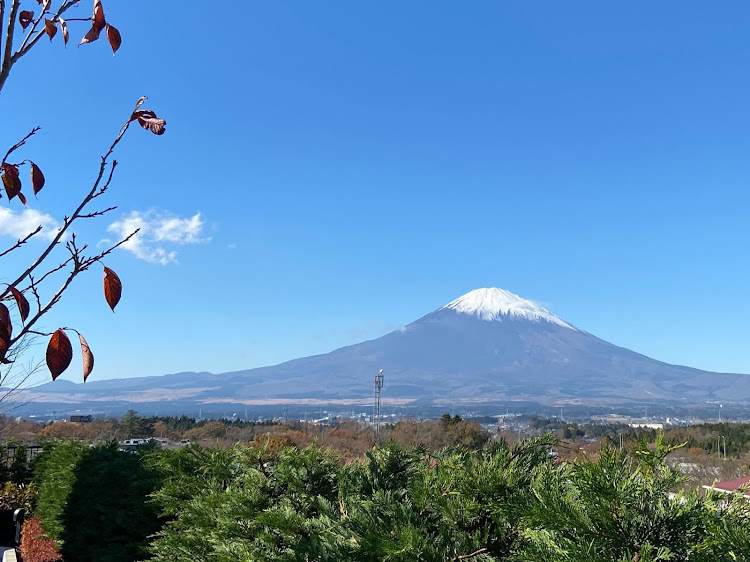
(488, 345)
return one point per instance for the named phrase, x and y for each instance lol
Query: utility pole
(376, 406)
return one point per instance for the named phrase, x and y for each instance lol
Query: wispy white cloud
(23, 223)
(158, 231)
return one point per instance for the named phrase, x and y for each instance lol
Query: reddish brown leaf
(5, 331)
(37, 178)
(88, 357)
(112, 288)
(148, 120)
(64, 27)
(59, 353)
(11, 181)
(22, 198)
(4, 345)
(114, 38)
(6, 328)
(25, 18)
(91, 36)
(99, 21)
(50, 27)
(21, 303)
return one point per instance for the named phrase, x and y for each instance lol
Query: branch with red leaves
(37, 19)
(46, 23)
(59, 350)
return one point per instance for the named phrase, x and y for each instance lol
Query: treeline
(709, 438)
(349, 438)
(263, 502)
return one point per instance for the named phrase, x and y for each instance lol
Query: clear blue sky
(356, 165)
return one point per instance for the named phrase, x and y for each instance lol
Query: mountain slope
(488, 344)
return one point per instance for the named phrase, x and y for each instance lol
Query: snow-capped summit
(493, 304)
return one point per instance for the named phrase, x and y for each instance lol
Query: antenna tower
(376, 405)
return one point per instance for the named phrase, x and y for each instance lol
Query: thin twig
(19, 144)
(472, 555)
(21, 241)
(109, 179)
(43, 277)
(97, 213)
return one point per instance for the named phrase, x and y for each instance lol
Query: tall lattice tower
(376, 405)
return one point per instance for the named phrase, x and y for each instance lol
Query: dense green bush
(618, 508)
(243, 504)
(94, 501)
(269, 504)
(55, 477)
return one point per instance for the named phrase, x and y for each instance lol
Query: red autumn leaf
(4, 345)
(22, 198)
(11, 181)
(112, 288)
(5, 331)
(91, 36)
(148, 120)
(37, 178)
(114, 38)
(59, 353)
(99, 21)
(64, 27)
(21, 303)
(25, 18)
(6, 328)
(88, 357)
(50, 27)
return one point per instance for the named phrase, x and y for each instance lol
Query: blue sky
(334, 170)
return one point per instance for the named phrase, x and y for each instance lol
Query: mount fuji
(488, 345)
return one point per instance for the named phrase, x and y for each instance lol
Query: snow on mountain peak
(492, 304)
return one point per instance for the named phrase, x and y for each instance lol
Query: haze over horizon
(337, 172)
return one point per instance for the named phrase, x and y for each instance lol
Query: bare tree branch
(7, 56)
(33, 284)
(96, 213)
(19, 144)
(21, 241)
(2, 15)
